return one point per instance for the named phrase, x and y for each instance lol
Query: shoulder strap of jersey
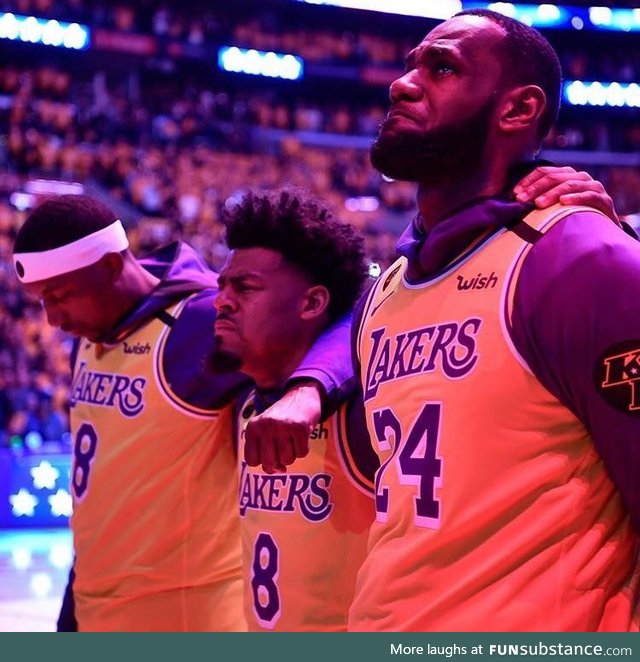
(386, 284)
(173, 312)
(530, 229)
(542, 220)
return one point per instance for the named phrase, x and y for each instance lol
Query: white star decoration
(60, 555)
(23, 503)
(44, 476)
(60, 503)
(41, 584)
(21, 557)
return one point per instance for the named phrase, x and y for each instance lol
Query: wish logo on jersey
(138, 348)
(286, 493)
(479, 282)
(451, 347)
(108, 390)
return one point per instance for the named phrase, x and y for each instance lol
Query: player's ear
(521, 108)
(114, 264)
(315, 302)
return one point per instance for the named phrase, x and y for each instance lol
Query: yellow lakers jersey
(493, 509)
(155, 519)
(304, 532)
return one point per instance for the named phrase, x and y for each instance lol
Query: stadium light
(366, 203)
(439, 10)
(610, 95)
(544, 15)
(625, 20)
(49, 32)
(260, 63)
(539, 16)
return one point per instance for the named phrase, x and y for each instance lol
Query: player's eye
(245, 286)
(442, 68)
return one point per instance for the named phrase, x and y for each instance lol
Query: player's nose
(405, 87)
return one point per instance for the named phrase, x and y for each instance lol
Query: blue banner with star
(34, 489)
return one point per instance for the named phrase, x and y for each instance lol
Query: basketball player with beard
(500, 362)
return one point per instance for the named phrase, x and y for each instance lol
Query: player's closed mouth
(398, 112)
(224, 324)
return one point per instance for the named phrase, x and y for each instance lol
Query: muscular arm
(328, 362)
(324, 379)
(576, 307)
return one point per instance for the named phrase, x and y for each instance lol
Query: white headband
(32, 267)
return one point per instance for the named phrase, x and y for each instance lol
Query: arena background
(167, 112)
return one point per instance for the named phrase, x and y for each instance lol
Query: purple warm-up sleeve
(576, 321)
(328, 362)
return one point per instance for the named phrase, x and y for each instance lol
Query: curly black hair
(309, 237)
(61, 220)
(529, 59)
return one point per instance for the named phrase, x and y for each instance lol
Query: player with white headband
(42, 265)
(85, 259)
(155, 523)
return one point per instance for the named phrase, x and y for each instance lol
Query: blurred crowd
(34, 357)
(176, 149)
(184, 161)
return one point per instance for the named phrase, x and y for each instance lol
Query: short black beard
(448, 153)
(218, 361)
